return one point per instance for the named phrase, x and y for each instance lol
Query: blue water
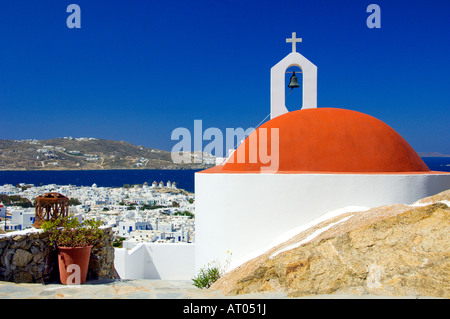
(115, 178)
(103, 178)
(438, 163)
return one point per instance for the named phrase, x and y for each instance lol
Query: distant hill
(432, 154)
(88, 154)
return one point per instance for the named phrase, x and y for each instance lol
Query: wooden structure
(50, 206)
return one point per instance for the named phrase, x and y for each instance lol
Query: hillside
(86, 154)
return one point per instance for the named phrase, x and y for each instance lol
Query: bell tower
(277, 80)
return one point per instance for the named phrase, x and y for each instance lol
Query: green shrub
(211, 273)
(207, 276)
(118, 242)
(69, 232)
(185, 213)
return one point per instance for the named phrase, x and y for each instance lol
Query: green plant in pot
(74, 240)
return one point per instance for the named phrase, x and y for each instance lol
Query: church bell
(293, 82)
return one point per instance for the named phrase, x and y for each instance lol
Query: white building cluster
(140, 214)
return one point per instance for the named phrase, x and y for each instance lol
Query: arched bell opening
(293, 88)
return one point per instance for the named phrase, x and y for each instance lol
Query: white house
(2, 210)
(139, 236)
(11, 226)
(24, 219)
(126, 227)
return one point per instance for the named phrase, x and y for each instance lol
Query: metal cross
(294, 41)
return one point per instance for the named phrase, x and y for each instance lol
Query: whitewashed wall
(244, 213)
(278, 86)
(156, 261)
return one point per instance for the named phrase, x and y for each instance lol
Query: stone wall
(101, 264)
(27, 257)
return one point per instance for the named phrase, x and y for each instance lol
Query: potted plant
(74, 241)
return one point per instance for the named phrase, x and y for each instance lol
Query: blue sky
(136, 70)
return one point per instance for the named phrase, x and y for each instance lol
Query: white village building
(23, 218)
(298, 166)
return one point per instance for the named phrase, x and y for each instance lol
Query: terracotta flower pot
(73, 264)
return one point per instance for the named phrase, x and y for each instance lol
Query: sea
(118, 178)
(103, 178)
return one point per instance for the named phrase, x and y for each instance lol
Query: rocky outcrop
(395, 250)
(27, 257)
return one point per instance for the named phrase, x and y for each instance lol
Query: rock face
(396, 250)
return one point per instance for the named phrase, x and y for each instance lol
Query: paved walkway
(135, 289)
(111, 289)
(130, 289)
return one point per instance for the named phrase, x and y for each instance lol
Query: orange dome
(329, 140)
